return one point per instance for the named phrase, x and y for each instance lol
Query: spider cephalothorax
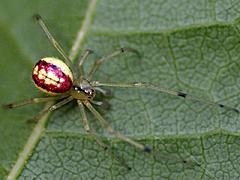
(82, 90)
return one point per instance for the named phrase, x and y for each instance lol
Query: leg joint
(90, 51)
(181, 94)
(99, 61)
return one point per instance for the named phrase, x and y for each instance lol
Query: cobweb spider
(59, 80)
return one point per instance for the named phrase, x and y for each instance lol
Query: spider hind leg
(106, 125)
(91, 132)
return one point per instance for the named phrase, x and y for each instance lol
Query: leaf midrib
(39, 128)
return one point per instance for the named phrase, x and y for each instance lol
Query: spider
(58, 79)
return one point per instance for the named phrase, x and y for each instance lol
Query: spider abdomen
(52, 76)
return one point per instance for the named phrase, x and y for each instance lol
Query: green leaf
(22, 44)
(192, 46)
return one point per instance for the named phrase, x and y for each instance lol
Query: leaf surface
(192, 46)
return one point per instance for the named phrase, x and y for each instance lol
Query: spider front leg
(108, 57)
(97, 139)
(52, 108)
(54, 42)
(163, 90)
(105, 125)
(32, 101)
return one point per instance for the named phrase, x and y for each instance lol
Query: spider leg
(163, 90)
(87, 126)
(53, 41)
(105, 125)
(105, 92)
(107, 57)
(52, 108)
(84, 116)
(32, 101)
(61, 103)
(91, 132)
(82, 59)
(103, 104)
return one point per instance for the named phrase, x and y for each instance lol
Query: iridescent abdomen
(52, 76)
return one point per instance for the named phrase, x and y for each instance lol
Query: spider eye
(88, 91)
(76, 88)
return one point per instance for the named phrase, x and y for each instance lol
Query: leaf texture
(191, 46)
